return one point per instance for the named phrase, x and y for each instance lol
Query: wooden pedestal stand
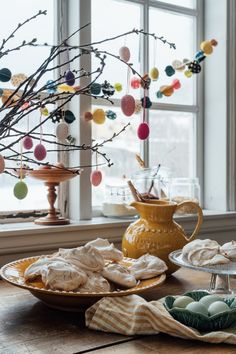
(52, 178)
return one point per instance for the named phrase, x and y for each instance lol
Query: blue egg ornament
(70, 78)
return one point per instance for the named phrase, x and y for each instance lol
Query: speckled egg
(217, 307)
(27, 143)
(70, 78)
(62, 131)
(143, 131)
(154, 74)
(20, 190)
(197, 307)
(99, 116)
(209, 299)
(124, 53)
(2, 164)
(182, 301)
(128, 105)
(5, 75)
(40, 152)
(96, 178)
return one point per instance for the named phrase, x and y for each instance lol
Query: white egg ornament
(40, 152)
(62, 131)
(27, 142)
(128, 105)
(182, 301)
(2, 164)
(96, 178)
(124, 53)
(209, 299)
(218, 307)
(143, 131)
(197, 307)
(20, 190)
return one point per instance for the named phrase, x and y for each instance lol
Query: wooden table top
(29, 326)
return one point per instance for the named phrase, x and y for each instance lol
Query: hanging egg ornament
(51, 86)
(27, 143)
(62, 131)
(95, 89)
(20, 190)
(44, 111)
(176, 84)
(124, 53)
(107, 89)
(178, 65)
(143, 131)
(1, 92)
(206, 47)
(128, 105)
(194, 67)
(40, 152)
(199, 55)
(110, 114)
(96, 178)
(135, 82)
(154, 74)
(159, 94)
(70, 78)
(17, 79)
(167, 90)
(145, 82)
(138, 107)
(88, 116)
(188, 73)
(214, 42)
(5, 75)
(65, 88)
(2, 164)
(170, 71)
(146, 102)
(69, 117)
(118, 87)
(99, 116)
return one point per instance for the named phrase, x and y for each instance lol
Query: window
(25, 61)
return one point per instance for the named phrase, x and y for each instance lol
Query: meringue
(147, 266)
(35, 269)
(59, 275)
(119, 275)
(95, 283)
(107, 249)
(229, 250)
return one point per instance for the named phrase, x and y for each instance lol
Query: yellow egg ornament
(99, 116)
(65, 88)
(206, 47)
(154, 73)
(118, 87)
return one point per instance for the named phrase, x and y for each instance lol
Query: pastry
(229, 250)
(203, 252)
(107, 249)
(35, 269)
(147, 266)
(119, 275)
(86, 257)
(59, 275)
(95, 283)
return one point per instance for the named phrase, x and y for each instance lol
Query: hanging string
(144, 105)
(21, 160)
(154, 52)
(41, 128)
(96, 160)
(128, 80)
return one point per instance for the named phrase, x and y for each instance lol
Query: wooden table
(28, 326)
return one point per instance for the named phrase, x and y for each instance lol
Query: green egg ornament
(110, 114)
(197, 307)
(95, 89)
(20, 190)
(69, 117)
(5, 75)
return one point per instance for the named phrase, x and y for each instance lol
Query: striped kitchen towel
(130, 315)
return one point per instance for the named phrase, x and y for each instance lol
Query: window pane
(185, 3)
(26, 61)
(179, 29)
(172, 141)
(121, 150)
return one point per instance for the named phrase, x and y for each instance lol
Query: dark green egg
(69, 117)
(95, 89)
(5, 75)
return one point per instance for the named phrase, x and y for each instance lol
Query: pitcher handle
(200, 217)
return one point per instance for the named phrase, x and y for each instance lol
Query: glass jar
(152, 182)
(182, 189)
(117, 200)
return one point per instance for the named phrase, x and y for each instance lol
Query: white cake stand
(220, 274)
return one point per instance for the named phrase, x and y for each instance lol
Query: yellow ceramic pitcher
(156, 232)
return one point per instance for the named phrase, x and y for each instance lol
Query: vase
(156, 232)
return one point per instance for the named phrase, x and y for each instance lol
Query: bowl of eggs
(202, 310)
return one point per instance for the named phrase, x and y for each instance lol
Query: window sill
(24, 239)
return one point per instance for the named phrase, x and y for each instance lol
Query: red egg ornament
(96, 178)
(124, 53)
(143, 131)
(40, 152)
(135, 83)
(128, 105)
(27, 142)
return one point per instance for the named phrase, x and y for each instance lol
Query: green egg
(218, 307)
(182, 301)
(197, 307)
(20, 190)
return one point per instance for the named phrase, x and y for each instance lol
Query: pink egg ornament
(124, 53)
(2, 164)
(135, 83)
(176, 84)
(143, 131)
(40, 152)
(128, 105)
(27, 143)
(96, 178)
